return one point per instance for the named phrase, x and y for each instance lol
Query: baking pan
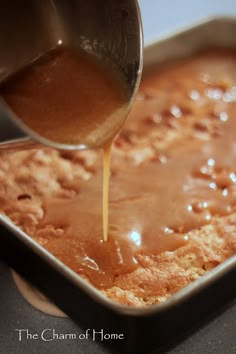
(151, 327)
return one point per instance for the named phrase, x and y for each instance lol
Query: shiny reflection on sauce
(67, 96)
(173, 170)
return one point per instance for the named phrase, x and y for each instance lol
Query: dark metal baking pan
(143, 328)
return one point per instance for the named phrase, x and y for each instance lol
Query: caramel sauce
(105, 188)
(173, 170)
(68, 97)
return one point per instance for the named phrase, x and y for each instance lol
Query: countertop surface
(216, 335)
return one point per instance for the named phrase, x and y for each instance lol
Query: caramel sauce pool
(173, 170)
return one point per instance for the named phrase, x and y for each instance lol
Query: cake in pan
(172, 209)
